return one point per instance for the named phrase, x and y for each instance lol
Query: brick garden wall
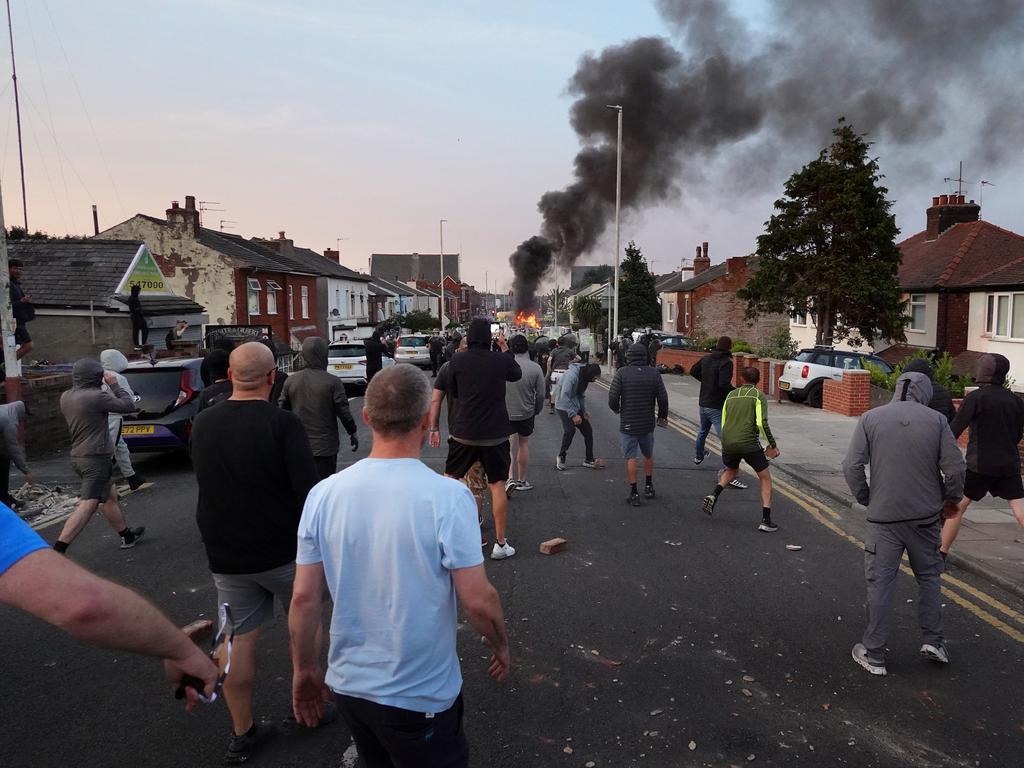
(851, 396)
(46, 431)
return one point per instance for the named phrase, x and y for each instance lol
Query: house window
(305, 302)
(362, 305)
(1005, 316)
(686, 311)
(253, 295)
(272, 288)
(352, 304)
(671, 312)
(799, 318)
(291, 303)
(337, 301)
(918, 309)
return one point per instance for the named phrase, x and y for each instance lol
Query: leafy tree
(418, 321)
(588, 311)
(779, 345)
(19, 233)
(557, 299)
(600, 274)
(829, 250)
(638, 301)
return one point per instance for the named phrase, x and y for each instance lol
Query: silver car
(347, 361)
(413, 349)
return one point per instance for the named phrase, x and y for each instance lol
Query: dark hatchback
(167, 396)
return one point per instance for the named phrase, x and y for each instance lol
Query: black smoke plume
(933, 81)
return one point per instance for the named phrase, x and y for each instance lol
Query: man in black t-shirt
(436, 346)
(219, 388)
(254, 467)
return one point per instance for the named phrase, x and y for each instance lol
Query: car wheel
(814, 395)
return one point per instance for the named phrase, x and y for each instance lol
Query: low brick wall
(851, 396)
(46, 431)
(684, 357)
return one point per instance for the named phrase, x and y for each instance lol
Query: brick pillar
(764, 367)
(851, 396)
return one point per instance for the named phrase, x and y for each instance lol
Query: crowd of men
(281, 525)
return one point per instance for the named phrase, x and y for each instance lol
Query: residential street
(661, 637)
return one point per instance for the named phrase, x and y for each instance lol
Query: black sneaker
(649, 492)
(634, 499)
(241, 748)
(767, 526)
(134, 534)
(709, 504)
(136, 481)
(700, 459)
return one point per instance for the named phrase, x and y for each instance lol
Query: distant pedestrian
(393, 665)
(219, 388)
(995, 416)
(652, 350)
(376, 351)
(917, 478)
(561, 357)
(113, 361)
(86, 407)
(524, 399)
(254, 468)
(12, 449)
(714, 373)
(319, 400)
(571, 405)
(175, 334)
(280, 377)
(454, 340)
(744, 422)
(942, 400)
(223, 344)
(21, 308)
(477, 380)
(436, 346)
(140, 328)
(636, 391)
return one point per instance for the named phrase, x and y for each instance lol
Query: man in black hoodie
(995, 416)
(941, 400)
(714, 373)
(476, 378)
(319, 400)
(635, 391)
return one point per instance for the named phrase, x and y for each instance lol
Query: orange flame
(524, 319)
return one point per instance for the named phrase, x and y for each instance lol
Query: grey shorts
(635, 444)
(95, 473)
(251, 595)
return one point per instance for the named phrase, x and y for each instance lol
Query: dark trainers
(241, 748)
(767, 526)
(935, 652)
(700, 459)
(132, 538)
(709, 504)
(865, 659)
(648, 491)
(634, 499)
(135, 482)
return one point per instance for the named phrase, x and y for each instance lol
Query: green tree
(588, 311)
(557, 299)
(599, 274)
(829, 250)
(418, 321)
(638, 302)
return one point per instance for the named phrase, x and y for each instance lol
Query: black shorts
(522, 428)
(21, 334)
(1002, 487)
(757, 460)
(496, 460)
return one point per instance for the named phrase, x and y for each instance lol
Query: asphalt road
(660, 638)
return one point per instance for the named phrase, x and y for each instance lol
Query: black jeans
(389, 737)
(140, 331)
(569, 432)
(325, 465)
(435, 363)
(5, 479)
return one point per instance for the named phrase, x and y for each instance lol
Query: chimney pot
(174, 203)
(963, 200)
(704, 248)
(943, 199)
(935, 200)
(972, 202)
(190, 202)
(280, 235)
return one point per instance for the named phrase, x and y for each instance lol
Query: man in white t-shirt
(395, 543)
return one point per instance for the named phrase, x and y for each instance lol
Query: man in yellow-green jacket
(744, 422)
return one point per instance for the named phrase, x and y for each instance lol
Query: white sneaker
(861, 656)
(510, 488)
(502, 551)
(524, 485)
(738, 484)
(560, 463)
(935, 653)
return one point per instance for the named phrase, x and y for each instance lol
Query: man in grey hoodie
(319, 400)
(114, 362)
(524, 399)
(86, 407)
(917, 478)
(12, 415)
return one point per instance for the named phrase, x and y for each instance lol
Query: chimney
(701, 262)
(185, 219)
(284, 245)
(949, 210)
(333, 255)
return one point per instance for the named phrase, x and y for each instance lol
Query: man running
(476, 378)
(995, 416)
(744, 422)
(714, 373)
(115, 362)
(394, 562)
(86, 407)
(561, 357)
(254, 467)
(319, 400)
(917, 477)
(636, 391)
(571, 404)
(524, 399)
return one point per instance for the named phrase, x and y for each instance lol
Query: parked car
(167, 396)
(803, 378)
(677, 342)
(347, 361)
(413, 349)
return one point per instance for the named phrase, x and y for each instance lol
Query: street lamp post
(618, 203)
(441, 280)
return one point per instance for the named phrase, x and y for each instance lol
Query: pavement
(813, 444)
(661, 637)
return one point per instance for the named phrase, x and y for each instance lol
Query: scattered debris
(553, 546)
(568, 750)
(748, 679)
(692, 745)
(44, 502)
(793, 547)
(656, 712)
(746, 692)
(826, 707)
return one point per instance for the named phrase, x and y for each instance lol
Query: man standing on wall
(21, 307)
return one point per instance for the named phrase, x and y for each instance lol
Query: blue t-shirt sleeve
(308, 536)
(16, 539)
(458, 530)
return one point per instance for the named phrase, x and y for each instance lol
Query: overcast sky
(330, 121)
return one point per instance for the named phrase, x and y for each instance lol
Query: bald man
(254, 468)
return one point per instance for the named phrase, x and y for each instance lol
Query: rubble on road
(43, 502)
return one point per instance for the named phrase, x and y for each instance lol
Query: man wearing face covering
(113, 361)
(917, 478)
(319, 400)
(86, 407)
(995, 416)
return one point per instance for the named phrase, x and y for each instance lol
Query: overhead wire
(60, 149)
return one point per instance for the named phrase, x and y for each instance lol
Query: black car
(167, 396)
(677, 342)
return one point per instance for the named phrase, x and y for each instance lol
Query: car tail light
(805, 372)
(362, 362)
(185, 389)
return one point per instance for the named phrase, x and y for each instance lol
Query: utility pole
(12, 366)
(441, 280)
(17, 117)
(618, 205)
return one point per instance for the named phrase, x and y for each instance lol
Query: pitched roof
(68, 274)
(397, 288)
(410, 266)
(691, 283)
(251, 254)
(975, 254)
(321, 265)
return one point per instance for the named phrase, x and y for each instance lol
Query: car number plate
(783, 385)
(138, 429)
(343, 367)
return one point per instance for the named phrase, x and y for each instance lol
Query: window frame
(671, 311)
(272, 288)
(304, 299)
(291, 302)
(992, 325)
(921, 303)
(253, 289)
